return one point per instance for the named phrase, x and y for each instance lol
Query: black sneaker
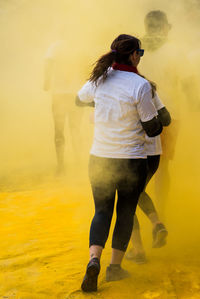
(159, 235)
(89, 283)
(139, 258)
(115, 272)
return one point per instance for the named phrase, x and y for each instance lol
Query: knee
(125, 218)
(102, 219)
(104, 216)
(59, 139)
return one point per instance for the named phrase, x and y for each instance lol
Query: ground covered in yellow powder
(44, 250)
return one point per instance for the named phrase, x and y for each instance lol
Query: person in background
(124, 112)
(157, 45)
(62, 80)
(163, 52)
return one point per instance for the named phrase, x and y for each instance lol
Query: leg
(162, 185)
(129, 189)
(147, 206)
(104, 197)
(95, 251)
(159, 231)
(136, 253)
(169, 139)
(136, 237)
(145, 201)
(103, 189)
(75, 118)
(59, 115)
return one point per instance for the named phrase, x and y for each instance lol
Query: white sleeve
(87, 92)
(157, 102)
(145, 105)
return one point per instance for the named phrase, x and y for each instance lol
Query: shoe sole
(160, 239)
(138, 262)
(89, 283)
(110, 277)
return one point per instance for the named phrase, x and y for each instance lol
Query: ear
(134, 55)
(134, 58)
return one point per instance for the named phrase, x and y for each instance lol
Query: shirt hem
(154, 154)
(118, 156)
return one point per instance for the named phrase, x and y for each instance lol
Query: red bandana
(124, 67)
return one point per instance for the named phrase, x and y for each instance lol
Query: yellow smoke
(27, 154)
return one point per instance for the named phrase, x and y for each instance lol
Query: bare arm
(79, 103)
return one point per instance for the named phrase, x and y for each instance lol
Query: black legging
(145, 202)
(108, 175)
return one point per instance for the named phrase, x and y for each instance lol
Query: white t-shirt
(121, 103)
(153, 144)
(66, 71)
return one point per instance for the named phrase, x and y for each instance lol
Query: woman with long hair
(124, 112)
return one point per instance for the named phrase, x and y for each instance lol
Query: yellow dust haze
(45, 219)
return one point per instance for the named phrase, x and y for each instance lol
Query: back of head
(121, 49)
(124, 45)
(157, 29)
(156, 22)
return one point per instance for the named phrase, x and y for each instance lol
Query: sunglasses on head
(140, 52)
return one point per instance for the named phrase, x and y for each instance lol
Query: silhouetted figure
(156, 66)
(159, 64)
(62, 79)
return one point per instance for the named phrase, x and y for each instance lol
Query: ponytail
(102, 66)
(121, 48)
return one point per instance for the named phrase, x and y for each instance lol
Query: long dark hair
(121, 49)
